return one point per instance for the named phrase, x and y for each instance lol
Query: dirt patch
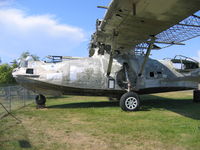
(42, 133)
(84, 141)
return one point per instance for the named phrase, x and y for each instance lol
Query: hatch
(184, 64)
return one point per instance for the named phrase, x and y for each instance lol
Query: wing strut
(151, 43)
(113, 47)
(110, 63)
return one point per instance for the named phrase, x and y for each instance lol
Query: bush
(6, 74)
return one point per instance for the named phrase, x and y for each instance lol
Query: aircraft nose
(15, 72)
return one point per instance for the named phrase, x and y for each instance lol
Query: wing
(134, 21)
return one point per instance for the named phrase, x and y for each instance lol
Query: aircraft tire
(130, 101)
(40, 99)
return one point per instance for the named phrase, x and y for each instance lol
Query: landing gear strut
(40, 101)
(130, 101)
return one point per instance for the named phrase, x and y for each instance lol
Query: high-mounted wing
(133, 22)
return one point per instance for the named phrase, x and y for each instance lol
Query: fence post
(9, 97)
(24, 97)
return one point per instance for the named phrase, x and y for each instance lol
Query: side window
(151, 74)
(159, 73)
(111, 83)
(29, 71)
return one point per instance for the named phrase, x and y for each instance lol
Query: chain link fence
(14, 97)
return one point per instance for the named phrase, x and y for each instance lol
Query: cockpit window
(23, 63)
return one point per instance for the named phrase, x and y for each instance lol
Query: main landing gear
(40, 101)
(130, 101)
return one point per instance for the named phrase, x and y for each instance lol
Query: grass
(15, 104)
(167, 121)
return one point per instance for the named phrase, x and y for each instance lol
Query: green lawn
(168, 121)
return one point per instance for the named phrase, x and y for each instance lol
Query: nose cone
(14, 72)
(18, 72)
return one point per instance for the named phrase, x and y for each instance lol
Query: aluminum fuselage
(87, 76)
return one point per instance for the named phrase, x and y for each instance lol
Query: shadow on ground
(86, 105)
(184, 107)
(24, 144)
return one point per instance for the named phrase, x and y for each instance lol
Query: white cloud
(17, 20)
(197, 57)
(40, 34)
(5, 2)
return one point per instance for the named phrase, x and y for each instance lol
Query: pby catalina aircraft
(118, 65)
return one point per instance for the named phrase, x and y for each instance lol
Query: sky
(61, 27)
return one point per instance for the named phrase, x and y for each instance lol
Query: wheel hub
(131, 103)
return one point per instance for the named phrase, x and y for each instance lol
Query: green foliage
(6, 70)
(6, 74)
(14, 63)
(25, 54)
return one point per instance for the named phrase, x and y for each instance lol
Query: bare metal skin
(87, 76)
(115, 67)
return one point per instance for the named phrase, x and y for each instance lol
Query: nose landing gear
(40, 101)
(196, 96)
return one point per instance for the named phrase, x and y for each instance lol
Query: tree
(6, 74)
(6, 70)
(24, 57)
(15, 64)
(25, 54)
